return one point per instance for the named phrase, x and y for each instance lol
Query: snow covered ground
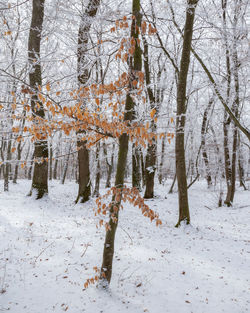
(48, 249)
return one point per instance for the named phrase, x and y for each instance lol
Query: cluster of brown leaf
(94, 279)
(119, 195)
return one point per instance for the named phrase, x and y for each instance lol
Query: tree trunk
(98, 172)
(150, 163)
(181, 114)
(142, 168)
(40, 175)
(55, 169)
(235, 110)
(31, 167)
(136, 169)
(84, 191)
(19, 154)
(240, 166)
(134, 66)
(162, 159)
(50, 161)
(7, 166)
(109, 165)
(66, 165)
(203, 143)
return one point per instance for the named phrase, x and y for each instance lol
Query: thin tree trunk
(66, 165)
(142, 168)
(31, 167)
(240, 166)
(235, 110)
(40, 175)
(220, 165)
(134, 66)
(136, 169)
(150, 164)
(110, 164)
(19, 154)
(203, 143)
(56, 157)
(7, 166)
(84, 191)
(50, 161)
(98, 172)
(181, 114)
(55, 169)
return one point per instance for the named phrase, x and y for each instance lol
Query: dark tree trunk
(40, 175)
(203, 143)
(66, 165)
(50, 161)
(110, 164)
(136, 169)
(7, 166)
(162, 159)
(19, 150)
(98, 172)
(235, 110)
(181, 114)
(134, 66)
(19, 154)
(240, 166)
(142, 168)
(150, 171)
(84, 191)
(172, 185)
(150, 163)
(55, 169)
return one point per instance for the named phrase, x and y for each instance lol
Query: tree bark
(50, 161)
(98, 172)
(134, 66)
(66, 164)
(235, 109)
(184, 215)
(40, 175)
(110, 164)
(84, 190)
(203, 143)
(150, 163)
(240, 165)
(136, 168)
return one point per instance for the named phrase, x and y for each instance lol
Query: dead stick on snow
(43, 251)
(85, 250)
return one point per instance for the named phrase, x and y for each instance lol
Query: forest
(124, 156)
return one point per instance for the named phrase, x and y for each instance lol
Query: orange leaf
(152, 113)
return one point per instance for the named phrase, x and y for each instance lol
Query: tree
(40, 175)
(135, 65)
(84, 190)
(181, 114)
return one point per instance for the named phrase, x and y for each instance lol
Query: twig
(72, 246)
(85, 250)
(127, 235)
(43, 251)
(207, 207)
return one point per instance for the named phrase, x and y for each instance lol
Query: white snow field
(48, 249)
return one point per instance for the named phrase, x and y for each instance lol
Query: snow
(48, 249)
